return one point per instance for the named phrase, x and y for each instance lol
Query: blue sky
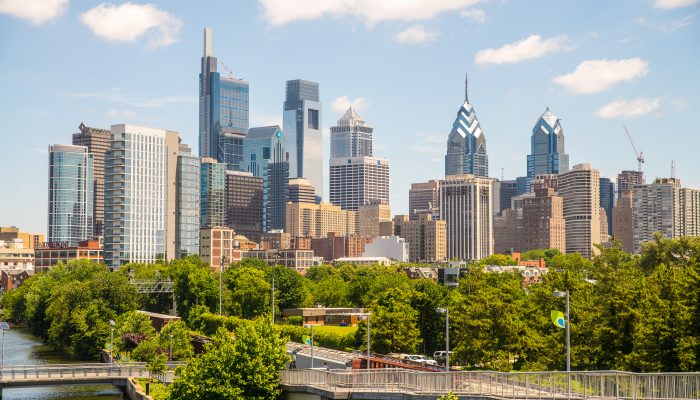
(597, 65)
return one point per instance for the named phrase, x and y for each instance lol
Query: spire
(207, 42)
(466, 88)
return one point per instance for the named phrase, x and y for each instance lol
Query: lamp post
(274, 267)
(111, 342)
(221, 269)
(171, 347)
(568, 335)
(446, 311)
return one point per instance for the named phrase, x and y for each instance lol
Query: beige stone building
(317, 220)
(370, 216)
(543, 221)
(29, 240)
(622, 221)
(423, 197)
(427, 238)
(217, 241)
(580, 190)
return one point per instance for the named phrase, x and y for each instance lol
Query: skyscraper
(543, 221)
(302, 124)
(187, 203)
(265, 155)
(627, 180)
(607, 201)
(212, 188)
(97, 142)
(223, 111)
(547, 155)
(370, 216)
(71, 195)
(465, 205)
(423, 197)
(356, 177)
(580, 189)
(300, 191)
(140, 181)
(244, 204)
(622, 222)
(466, 145)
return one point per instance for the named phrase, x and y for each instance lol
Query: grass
(157, 390)
(340, 330)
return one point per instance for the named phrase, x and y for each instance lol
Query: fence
(516, 385)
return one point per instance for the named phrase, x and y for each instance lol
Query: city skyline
(156, 84)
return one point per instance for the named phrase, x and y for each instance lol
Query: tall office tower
(71, 194)
(212, 199)
(223, 111)
(547, 154)
(656, 208)
(423, 198)
(604, 236)
(508, 190)
(466, 145)
(356, 181)
(627, 180)
(97, 142)
(426, 237)
(607, 201)
(302, 124)
(690, 211)
(543, 221)
(580, 189)
(140, 181)
(465, 205)
(244, 204)
(300, 191)
(351, 137)
(508, 231)
(265, 155)
(370, 216)
(622, 222)
(187, 194)
(318, 220)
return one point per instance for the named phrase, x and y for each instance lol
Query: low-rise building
(10, 279)
(391, 247)
(422, 273)
(426, 237)
(530, 274)
(30, 240)
(13, 255)
(364, 260)
(218, 245)
(333, 246)
(276, 239)
(49, 254)
(299, 260)
(327, 315)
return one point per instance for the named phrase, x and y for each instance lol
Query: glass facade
(187, 208)
(351, 137)
(71, 194)
(607, 199)
(547, 154)
(212, 211)
(265, 155)
(302, 124)
(466, 144)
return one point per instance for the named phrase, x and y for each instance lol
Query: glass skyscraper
(265, 155)
(223, 111)
(351, 137)
(547, 155)
(71, 194)
(302, 125)
(466, 145)
(212, 211)
(607, 199)
(187, 208)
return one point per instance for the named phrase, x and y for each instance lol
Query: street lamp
(221, 269)
(568, 335)
(171, 347)
(274, 267)
(312, 342)
(111, 341)
(446, 311)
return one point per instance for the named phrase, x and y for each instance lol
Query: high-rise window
(313, 119)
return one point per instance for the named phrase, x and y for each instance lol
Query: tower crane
(639, 154)
(227, 69)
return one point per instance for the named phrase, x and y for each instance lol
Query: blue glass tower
(212, 211)
(71, 194)
(547, 154)
(223, 112)
(607, 199)
(265, 155)
(466, 145)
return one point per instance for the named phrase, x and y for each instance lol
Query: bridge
(151, 286)
(15, 376)
(397, 384)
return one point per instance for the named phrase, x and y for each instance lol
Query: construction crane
(227, 69)
(639, 154)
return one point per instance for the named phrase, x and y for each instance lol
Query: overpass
(16, 376)
(398, 384)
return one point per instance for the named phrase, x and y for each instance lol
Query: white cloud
(121, 114)
(36, 11)
(415, 34)
(129, 21)
(280, 12)
(668, 27)
(117, 96)
(527, 49)
(342, 103)
(474, 14)
(629, 109)
(594, 76)
(671, 4)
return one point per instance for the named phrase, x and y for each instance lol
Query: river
(21, 348)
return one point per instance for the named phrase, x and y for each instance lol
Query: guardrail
(59, 372)
(516, 385)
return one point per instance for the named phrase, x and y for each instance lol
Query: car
(439, 356)
(420, 359)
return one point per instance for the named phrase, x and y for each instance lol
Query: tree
(393, 324)
(331, 291)
(131, 325)
(250, 292)
(449, 396)
(497, 259)
(242, 365)
(194, 285)
(290, 291)
(156, 365)
(182, 347)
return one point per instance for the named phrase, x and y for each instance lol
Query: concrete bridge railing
(496, 385)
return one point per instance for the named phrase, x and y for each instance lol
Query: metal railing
(58, 372)
(516, 385)
(151, 286)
